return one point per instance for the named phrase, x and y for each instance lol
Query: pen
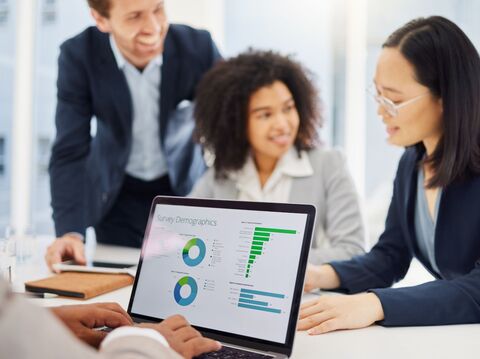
(41, 295)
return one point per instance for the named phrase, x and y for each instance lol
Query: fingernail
(312, 331)
(219, 344)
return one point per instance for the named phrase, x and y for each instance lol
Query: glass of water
(23, 246)
(7, 254)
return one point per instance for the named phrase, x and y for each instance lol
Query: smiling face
(139, 28)
(273, 122)
(418, 121)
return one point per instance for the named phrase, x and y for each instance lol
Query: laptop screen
(229, 270)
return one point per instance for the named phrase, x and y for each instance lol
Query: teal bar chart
(258, 300)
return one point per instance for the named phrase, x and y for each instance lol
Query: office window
(4, 12)
(4, 188)
(304, 29)
(49, 12)
(43, 156)
(56, 22)
(2, 156)
(313, 31)
(7, 51)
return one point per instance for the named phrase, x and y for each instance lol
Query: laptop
(233, 269)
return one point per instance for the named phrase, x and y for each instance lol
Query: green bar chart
(261, 237)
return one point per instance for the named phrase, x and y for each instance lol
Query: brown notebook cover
(80, 285)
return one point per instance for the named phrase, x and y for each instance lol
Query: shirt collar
(291, 164)
(295, 164)
(122, 61)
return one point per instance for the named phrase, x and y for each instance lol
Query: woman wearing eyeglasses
(428, 92)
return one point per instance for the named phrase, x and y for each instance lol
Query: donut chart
(185, 281)
(202, 250)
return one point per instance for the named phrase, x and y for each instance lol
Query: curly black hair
(222, 101)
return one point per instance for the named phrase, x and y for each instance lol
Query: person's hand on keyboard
(183, 338)
(84, 318)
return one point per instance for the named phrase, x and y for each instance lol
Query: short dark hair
(446, 62)
(223, 96)
(101, 6)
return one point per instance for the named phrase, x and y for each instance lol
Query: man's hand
(182, 338)
(82, 319)
(330, 313)
(65, 248)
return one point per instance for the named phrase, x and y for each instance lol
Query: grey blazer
(339, 229)
(28, 331)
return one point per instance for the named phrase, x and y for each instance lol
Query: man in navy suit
(135, 75)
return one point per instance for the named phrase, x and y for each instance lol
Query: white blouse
(278, 186)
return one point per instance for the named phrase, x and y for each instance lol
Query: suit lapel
(411, 180)
(169, 83)
(113, 78)
(298, 194)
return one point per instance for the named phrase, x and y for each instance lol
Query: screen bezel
(237, 339)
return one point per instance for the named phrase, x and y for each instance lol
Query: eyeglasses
(388, 105)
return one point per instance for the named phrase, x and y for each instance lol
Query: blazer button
(104, 197)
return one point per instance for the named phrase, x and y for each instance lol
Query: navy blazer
(86, 172)
(454, 297)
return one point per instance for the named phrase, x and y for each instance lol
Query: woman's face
(417, 121)
(273, 121)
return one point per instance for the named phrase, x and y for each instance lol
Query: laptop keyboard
(227, 353)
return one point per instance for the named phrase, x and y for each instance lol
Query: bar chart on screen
(260, 300)
(255, 242)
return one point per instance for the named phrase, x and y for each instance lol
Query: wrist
(330, 278)
(74, 235)
(57, 312)
(126, 331)
(376, 307)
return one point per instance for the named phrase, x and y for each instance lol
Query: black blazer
(454, 297)
(86, 172)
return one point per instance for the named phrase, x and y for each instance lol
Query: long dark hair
(223, 96)
(446, 62)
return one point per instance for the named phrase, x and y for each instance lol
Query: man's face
(139, 28)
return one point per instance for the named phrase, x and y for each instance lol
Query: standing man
(136, 75)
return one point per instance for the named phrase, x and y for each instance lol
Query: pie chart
(185, 284)
(194, 252)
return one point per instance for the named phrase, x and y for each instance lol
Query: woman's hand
(323, 277)
(329, 313)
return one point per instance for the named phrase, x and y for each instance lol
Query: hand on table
(82, 319)
(182, 337)
(65, 248)
(329, 313)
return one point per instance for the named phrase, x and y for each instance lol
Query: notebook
(79, 285)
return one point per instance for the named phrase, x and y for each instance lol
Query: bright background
(338, 40)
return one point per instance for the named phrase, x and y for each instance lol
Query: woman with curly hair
(258, 113)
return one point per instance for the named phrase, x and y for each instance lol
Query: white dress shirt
(133, 331)
(278, 186)
(147, 161)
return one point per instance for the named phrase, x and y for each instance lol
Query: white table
(453, 341)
